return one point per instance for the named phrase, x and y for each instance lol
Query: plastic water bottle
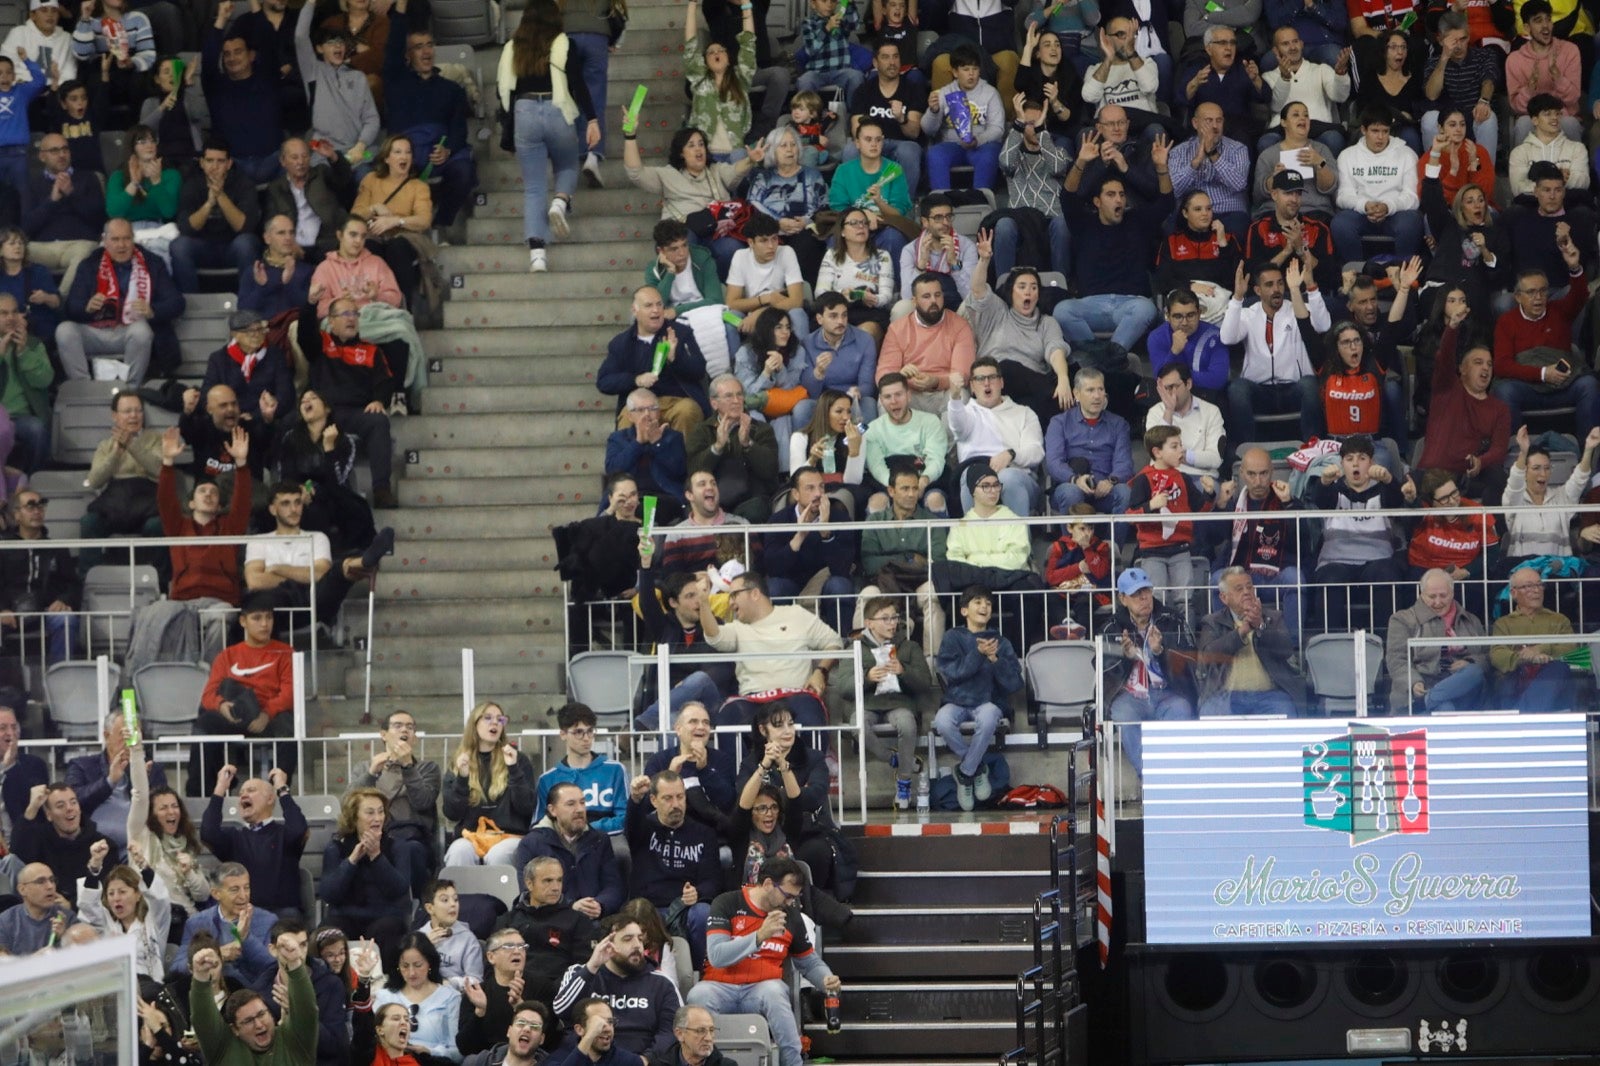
(922, 796)
(902, 785)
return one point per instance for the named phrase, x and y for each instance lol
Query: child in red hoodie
(1161, 488)
(1079, 564)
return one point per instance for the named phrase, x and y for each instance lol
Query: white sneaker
(537, 261)
(591, 172)
(558, 219)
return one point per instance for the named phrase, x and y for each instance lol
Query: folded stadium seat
(684, 966)
(119, 590)
(69, 496)
(1330, 670)
(744, 1039)
(72, 691)
(510, 15)
(113, 147)
(80, 420)
(169, 696)
(496, 889)
(469, 22)
(608, 683)
(1061, 685)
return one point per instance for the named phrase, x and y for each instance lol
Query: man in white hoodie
(1377, 192)
(42, 29)
(1549, 142)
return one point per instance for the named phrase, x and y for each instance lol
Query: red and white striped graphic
(1102, 874)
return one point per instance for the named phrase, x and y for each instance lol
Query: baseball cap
(243, 320)
(1288, 181)
(1132, 580)
(37, 4)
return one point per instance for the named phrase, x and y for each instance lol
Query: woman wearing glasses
(488, 791)
(434, 1007)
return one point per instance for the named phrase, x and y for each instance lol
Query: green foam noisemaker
(130, 717)
(177, 73)
(663, 349)
(630, 120)
(647, 513)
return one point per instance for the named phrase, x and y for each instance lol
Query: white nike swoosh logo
(239, 671)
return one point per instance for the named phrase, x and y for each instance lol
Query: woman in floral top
(719, 89)
(792, 194)
(856, 267)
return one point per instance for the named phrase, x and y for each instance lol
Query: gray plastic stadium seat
(607, 683)
(72, 691)
(169, 696)
(69, 499)
(1330, 669)
(113, 588)
(501, 882)
(462, 22)
(81, 420)
(745, 1039)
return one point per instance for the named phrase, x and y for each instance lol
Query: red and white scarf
(106, 285)
(245, 361)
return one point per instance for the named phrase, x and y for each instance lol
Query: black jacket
(557, 937)
(32, 580)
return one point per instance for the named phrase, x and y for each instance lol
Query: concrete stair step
(500, 170)
(518, 343)
(468, 618)
(421, 432)
(439, 555)
(455, 463)
(564, 284)
(492, 650)
(417, 528)
(599, 311)
(615, 258)
(619, 199)
(479, 491)
(645, 60)
(483, 399)
(584, 231)
(501, 370)
(441, 714)
(521, 679)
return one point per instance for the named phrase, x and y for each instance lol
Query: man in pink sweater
(1544, 64)
(928, 346)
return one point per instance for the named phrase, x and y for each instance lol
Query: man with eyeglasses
(759, 625)
(1233, 87)
(993, 430)
(1531, 674)
(939, 251)
(121, 304)
(42, 916)
(651, 451)
(250, 368)
(531, 947)
(1535, 365)
(124, 471)
(751, 933)
(245, 1031)
(411, 783)
(362, 381)
(525, 1034)
(39, 585)
(900, 690)
(696, 1030)
(1124, 77)
(63, 210)
(741, 451)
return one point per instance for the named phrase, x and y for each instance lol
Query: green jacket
(295, 1043)
(919, 690)
(703, 266)
(706, 106)
(897, 543)
(24, 377)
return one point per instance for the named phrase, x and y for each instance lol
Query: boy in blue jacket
(15, 96)
(604, 783)
(980, 671)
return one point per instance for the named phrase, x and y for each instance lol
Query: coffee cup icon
(1326, 804)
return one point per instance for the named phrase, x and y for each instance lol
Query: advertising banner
(1333, 831)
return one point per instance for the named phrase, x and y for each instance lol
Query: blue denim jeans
(1273, 701)
(1166, 707)
(1582, 392)
(984, 159)
(1551, 691)
(544, 139)
(696, 688)
(592, 53)
(192, 254)
(32, 442)
(1460, 690)
(970, 750)
(770, 999)
(1245, 398)
(1006, 236)
(1350, 226)
(1126, 318)
(849, 79)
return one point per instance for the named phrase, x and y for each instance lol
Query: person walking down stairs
(541, 104)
